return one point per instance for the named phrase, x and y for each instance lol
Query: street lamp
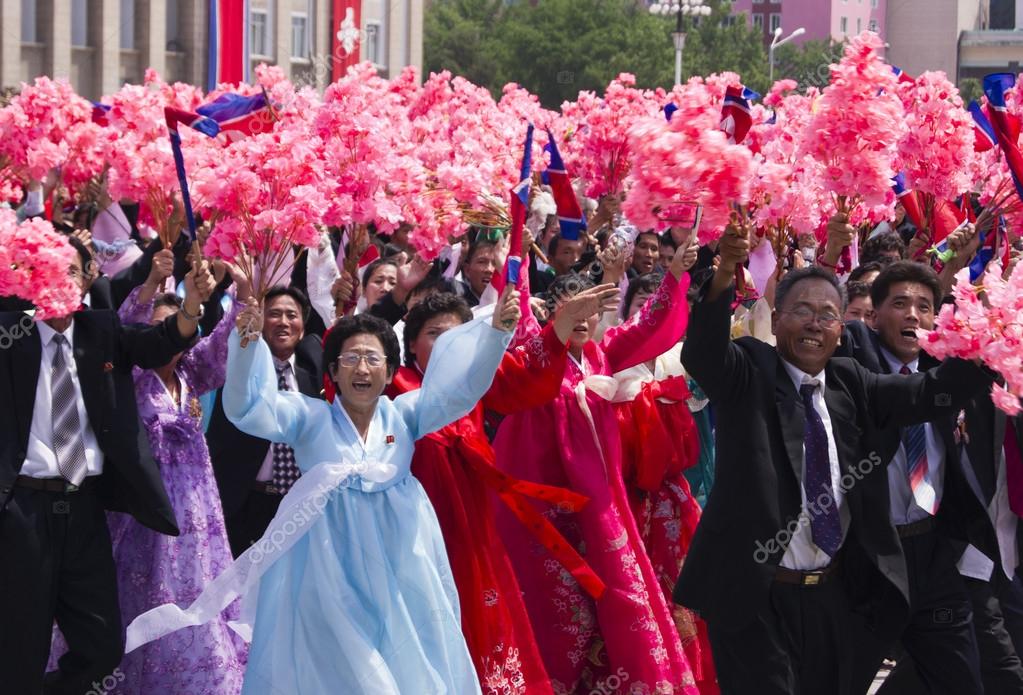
(775, 43)
(680, 8)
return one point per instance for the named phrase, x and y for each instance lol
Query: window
(373, 42)
(257, 32)
(29, 23)
(873, 26)
(757, 2)
(79, 23)
(173, 12)
(859, 25)
(127, 24)
(873, 3)
(843, 25)
(299, 35)
(775, 21)
(728, 21)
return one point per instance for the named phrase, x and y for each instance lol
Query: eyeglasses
(351, 359)
(805, 314)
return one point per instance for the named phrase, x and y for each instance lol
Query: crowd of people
(614, 477)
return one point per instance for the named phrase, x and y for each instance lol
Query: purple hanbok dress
(152, 568)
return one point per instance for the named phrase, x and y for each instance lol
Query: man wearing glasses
(795, 533)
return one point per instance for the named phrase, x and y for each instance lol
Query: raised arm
(251, 399)
(530, 375)
(896, 400)
(461, 369)
(659, 324)
(206, 363)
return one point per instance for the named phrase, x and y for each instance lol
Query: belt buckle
(71, 488)
(812, 579)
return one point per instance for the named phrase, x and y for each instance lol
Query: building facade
(823, 20)
(101, 44)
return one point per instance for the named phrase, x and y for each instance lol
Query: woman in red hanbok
(659, 441)
(455, 465)
(625, 641)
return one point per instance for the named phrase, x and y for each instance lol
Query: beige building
(924, 34)
(101, 44)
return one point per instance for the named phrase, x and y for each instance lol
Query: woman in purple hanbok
(153, 569)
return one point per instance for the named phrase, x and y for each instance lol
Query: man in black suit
(795, 531)
(70, 451)
(254, 474)
(934, 508)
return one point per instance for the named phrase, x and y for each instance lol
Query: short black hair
(811, 272)
(167, 299)
(552, 245)
(477, 245)
(876, 247)
(372, 267)
(905, 271)
(293, 292)
(565, 287)
(83, 252)
(389, 250)
(648, 282)
(434, 282)
(864, 269)
(667, 240)
(361, 324)
(854, 290)
(430, 307)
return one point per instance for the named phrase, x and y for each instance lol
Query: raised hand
(249, 322)
(583, 306)
(409, 275)
(840, 235)
(685, 256)
(507, 313)
(199, 282)
(342, 292)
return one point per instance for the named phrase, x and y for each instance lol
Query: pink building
(822, 19)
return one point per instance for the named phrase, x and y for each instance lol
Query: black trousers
(56, 564)
(939, 637)
(247, 525)
(1010, 596)
(797, 645)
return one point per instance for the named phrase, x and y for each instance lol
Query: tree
(556, 48)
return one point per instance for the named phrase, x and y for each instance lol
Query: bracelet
(821, 261)
(190, 317)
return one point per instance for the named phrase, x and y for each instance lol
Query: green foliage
(970, 88)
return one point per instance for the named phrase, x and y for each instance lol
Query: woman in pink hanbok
(625, 641)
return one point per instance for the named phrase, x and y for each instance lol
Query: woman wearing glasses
(351, 585)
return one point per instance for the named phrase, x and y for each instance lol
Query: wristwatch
(190, 317)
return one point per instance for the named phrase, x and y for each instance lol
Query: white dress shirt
(41, 459)
(904, 509)
(802, 553)
(266, 471)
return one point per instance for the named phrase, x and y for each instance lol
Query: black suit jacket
(962, 516)
(236, 456)
(105, 351)
(759, 445)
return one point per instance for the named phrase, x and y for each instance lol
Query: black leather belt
(805, 577)
(52, 484)
(917, 528)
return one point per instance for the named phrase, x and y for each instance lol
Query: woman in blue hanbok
(352, 587)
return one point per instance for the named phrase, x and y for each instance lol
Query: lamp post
(775, 42)
(680, 8)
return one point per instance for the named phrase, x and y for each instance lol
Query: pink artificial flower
(34, 265)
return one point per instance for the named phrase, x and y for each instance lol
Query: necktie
(1013, 468)
(914, 441)
(825, 526)
(286, 471)
(67, 426)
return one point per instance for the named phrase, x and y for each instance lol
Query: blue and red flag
(227, 56)
(207, 126)
(909, 201)
(239, 116)
(984, 137)
(901, 75)
(1005, 125)
(570, 215)
(669, 111)
(736, 119)
(519, 209)
(993, 244)
(100, 114)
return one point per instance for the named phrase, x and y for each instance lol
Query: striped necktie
(67, 426)
(285, 470)
(825, 527)
(914, 440)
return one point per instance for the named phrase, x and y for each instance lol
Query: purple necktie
(825, 526)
